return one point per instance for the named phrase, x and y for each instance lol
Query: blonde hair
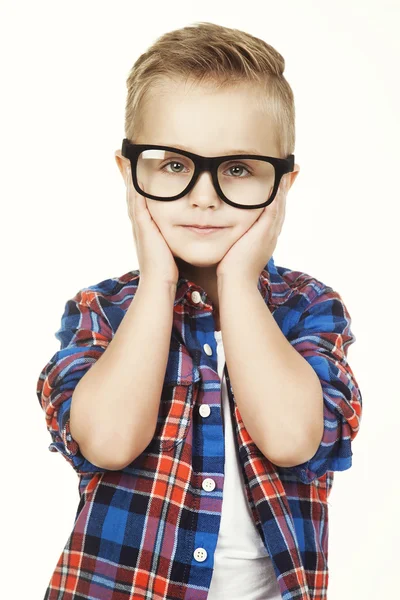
(212, 54)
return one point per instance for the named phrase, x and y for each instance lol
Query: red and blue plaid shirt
(136, 530)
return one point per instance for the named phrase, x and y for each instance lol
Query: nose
(203, 190)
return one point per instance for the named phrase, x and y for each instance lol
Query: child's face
(209, 123)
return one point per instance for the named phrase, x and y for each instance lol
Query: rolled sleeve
(84, 335)
(322, 336)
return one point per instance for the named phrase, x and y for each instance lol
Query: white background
(64, 225)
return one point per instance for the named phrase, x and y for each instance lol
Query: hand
(156, 260)
(247, 257)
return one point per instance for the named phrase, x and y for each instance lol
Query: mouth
(203, 230)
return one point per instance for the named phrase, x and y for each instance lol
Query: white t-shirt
(242, 567)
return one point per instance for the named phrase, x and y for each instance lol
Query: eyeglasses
(241, 180)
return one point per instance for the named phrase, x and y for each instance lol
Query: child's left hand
(247, 257)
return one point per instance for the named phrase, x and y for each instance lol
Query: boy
(201, 478)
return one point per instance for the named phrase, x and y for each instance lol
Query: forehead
(208, 120)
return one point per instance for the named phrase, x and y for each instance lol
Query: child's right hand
(156, 260)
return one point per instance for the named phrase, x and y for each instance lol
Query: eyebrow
(224, 153)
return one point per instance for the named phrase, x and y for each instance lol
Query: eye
(176, 165)
(240, 167)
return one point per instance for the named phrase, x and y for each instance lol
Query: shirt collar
(272, 286)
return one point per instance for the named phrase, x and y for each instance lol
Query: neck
(206, 278)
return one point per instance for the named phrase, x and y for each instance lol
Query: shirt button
(204, 410)
(196, 297)
(208, 484)
(200, 554)
(207, 349)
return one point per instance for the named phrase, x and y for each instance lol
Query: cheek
(157, 213)
(248, 224)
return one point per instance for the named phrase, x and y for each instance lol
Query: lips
(203, 230)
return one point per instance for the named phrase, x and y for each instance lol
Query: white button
(208, 484)
(196, 297)
(207, 349)
(200, 554)
(204, 410)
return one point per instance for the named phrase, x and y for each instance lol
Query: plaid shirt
(141, 532)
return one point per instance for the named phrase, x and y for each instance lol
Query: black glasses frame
(206, 163)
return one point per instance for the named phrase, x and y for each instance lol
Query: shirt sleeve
(84, 335)
(322, 336)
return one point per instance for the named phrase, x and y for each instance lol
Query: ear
(291, 177)
(122, 163)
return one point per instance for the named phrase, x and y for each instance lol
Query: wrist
(233, 280)
(157, 283)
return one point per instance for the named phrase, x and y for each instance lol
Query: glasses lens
(165, 173)
(247, 181)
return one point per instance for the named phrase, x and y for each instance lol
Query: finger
(271, 212)
(129, 201)
(272, 220)
(274, 208)
(134, 203)
(140, 209)
(282, 209)
(135, 199)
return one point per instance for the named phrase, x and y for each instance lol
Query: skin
(168, 120)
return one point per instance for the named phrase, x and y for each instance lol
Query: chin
(196, 261)
(202, 264)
